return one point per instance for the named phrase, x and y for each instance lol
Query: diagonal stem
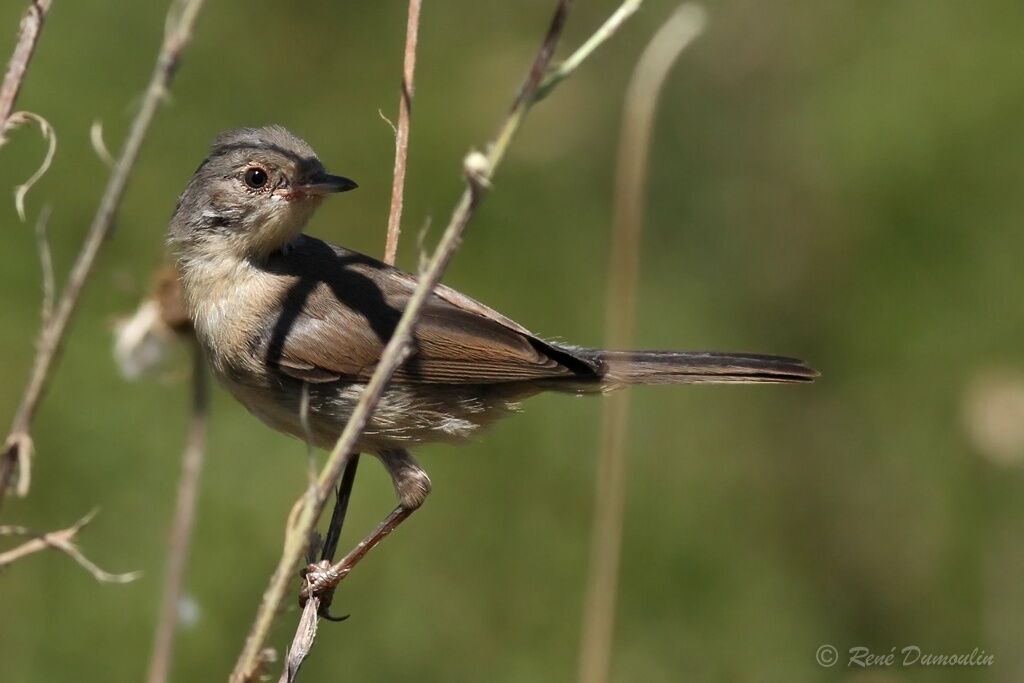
(28, 35)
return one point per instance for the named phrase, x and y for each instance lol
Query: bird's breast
(230, 302)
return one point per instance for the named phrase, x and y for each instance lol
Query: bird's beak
(323, 183)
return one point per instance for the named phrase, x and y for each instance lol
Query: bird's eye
(255, 177)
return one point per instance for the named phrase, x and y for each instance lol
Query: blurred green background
(835, 180)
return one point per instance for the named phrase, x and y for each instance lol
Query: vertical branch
(631, 180)
(28, 35)
(305, 632)
(402, 133)
(394, 231)
(184, 516)
(53, 334)
(390, 248)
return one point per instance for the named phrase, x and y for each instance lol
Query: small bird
(294, 326)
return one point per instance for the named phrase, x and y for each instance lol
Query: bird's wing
(345, 306)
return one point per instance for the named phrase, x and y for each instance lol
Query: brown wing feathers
(338, 320)
(341, 320)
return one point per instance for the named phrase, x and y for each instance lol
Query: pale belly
(407, 414)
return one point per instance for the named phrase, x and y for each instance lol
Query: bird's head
(253, 194)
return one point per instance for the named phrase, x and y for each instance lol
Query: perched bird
(282, 315)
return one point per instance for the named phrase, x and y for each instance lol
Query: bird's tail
(684, 367)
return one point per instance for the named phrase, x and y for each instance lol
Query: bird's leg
(412, 486)
(344, 493)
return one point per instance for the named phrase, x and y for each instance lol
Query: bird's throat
(279, 226)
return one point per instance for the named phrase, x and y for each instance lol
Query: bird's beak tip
(323, 183)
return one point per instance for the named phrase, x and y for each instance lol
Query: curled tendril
(49, 134)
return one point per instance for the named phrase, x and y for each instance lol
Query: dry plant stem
(184, 516)
(302, 642)
(479, 169)
(28, 36)
(52, 336)
(390, 250)
(627, 9)
(45, 264)
(306, 630)
(402, 133)
(64, 541)
(390, 246)
(631, 180)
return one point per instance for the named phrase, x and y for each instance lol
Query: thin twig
(45, 264)
(302, 642)
(63, 541)
(52, 336)
(479, 169)
(28, 36)
(412, 26)
(627, 9)
(685, 24)
(402, 133)
(306, 630)
(180, 538)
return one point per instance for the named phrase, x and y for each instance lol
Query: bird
(293, 326)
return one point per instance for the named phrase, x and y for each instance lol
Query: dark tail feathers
(682, 367)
